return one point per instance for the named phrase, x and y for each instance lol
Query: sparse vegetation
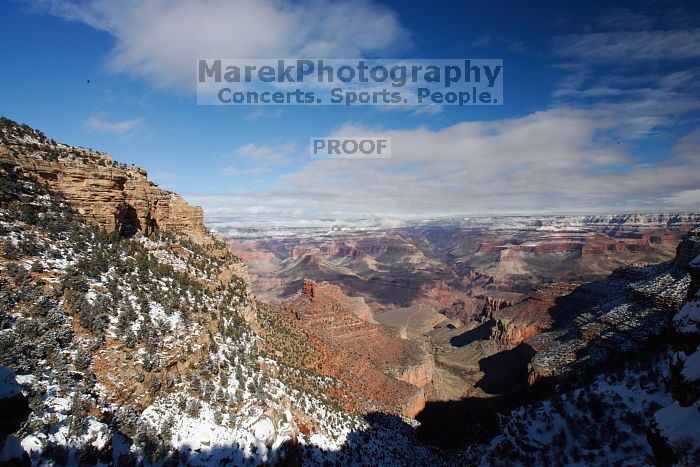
(81, 306)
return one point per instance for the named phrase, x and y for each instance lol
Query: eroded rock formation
(114, 196)
(563, 330)
(673, 434)
(384, 370)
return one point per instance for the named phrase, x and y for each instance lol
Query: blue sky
(601, 110)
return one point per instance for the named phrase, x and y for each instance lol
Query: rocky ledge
(115, 196)
(380, 370)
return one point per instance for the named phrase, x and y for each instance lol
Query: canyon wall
(381, 370)
(113, 196)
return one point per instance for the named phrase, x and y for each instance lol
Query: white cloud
(683, 198)
(432, 109)
(547, 162)
(258, 114)
(624, 19)
(489, 40)
(237, 171)
(255, 209)
(100, 124)
(630, 46)
(636, 75)
(160, 40)
(257, 159)
(280, 154)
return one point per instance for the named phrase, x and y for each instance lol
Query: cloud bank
(160, 40)
(100, 124)
(546, 162)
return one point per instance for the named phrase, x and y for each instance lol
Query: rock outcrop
(113, 196)
(380, 369)
(533, 315)
(618, 314)
(673, 435)
(564, 330)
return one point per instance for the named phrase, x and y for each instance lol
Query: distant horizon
(377, 220)
(374, 223)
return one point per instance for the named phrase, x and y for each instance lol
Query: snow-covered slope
(675, 433)
(137, 348)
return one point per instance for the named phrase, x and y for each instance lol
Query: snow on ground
(8, 383)
(679, 424)
(206, 440)
(12, 449)
(691, 367)
(687, 319)
(605, 420)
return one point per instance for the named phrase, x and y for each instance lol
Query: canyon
(131, 332)
(387, 372)
(462, 268)
(512, 325)
(503, 309)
